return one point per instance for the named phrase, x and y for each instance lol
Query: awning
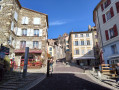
(84, 58)
(30, 51)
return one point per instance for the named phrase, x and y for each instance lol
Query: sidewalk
(103, 79)
(34, 76)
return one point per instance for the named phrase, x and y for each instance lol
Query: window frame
(36, 32)
(108, 15)
(24, 32)
(114, 49)
(111, 31)
(35, 44)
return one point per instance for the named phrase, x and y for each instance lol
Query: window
(88, 42)
(23, 44)
(77, 52)
(76, 35)
(114, 49)
(36, 32)
(76, 43)
(83, 52)
(105, 4)
(82, 42)
(111, 33)
(50, 49)
(36, 21)
(87, 35)
(67, 46)
(25, 20)
(81, 35)
(24, 32)
(35, 44)
(108, 15)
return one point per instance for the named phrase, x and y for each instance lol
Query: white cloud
(58, 22)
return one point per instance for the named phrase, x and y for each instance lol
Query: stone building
(81, 48)
(22, 28)
(106, 19)
(9, 14)
(32, 33)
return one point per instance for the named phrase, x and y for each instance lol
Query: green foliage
(7, 62)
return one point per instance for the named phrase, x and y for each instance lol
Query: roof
(98, 5)
(19, 3)
(38, 13)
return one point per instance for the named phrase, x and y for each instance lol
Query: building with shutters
(106, 19)
(81, 48)
(24, 28)
(9, 14)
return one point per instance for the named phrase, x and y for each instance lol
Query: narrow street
(67, 77)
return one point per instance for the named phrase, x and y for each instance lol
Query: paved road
(68, 78)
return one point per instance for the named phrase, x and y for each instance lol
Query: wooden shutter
(19, 33)
(104, 20)
(115, 30)
(111, 11)
(28, 32)
(16, 16)
(26, 20)
(23, 20)
(36, 20)
(102, 7)
(106, 34)
(109, 2)
(12, 26)
(117, 6)
(40, 45)
(40, 32)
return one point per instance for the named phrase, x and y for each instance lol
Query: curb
(99, 81)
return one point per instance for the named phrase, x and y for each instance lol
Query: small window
(35, 44)
(88, 42)
(108, 15)
(77, 52)
(111, 33)
(87, 35)
(82, 42)
(76, 43)
(24, 32)
(23, 44)
(81, 35)
(50, 49)
(36, 32)
(105, 4)
(114, 49)
(76, 35)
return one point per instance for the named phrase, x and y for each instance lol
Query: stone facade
(22, 28)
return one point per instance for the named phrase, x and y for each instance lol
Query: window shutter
(12, 26)
(74, 52)
(36, 20)
(23, 20)
(32, 32)
(85, 42)
(115, 30)
(111, 11)
(109, 2)
(19, 32)
(117, 6)
(106, 34)
(26, 20)
(102, 7)
(16, 16)
(104, 20)
(28, 32)
(79, 42)
(40, 45)
(40, 32)
(74, 43)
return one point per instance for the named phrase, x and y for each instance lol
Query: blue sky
(64, 15)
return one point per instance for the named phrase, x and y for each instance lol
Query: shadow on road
(66, 81)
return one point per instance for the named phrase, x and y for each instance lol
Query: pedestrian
(117, 72)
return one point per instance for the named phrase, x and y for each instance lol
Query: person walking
(117, 72)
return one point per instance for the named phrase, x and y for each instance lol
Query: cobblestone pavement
(68, 78)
